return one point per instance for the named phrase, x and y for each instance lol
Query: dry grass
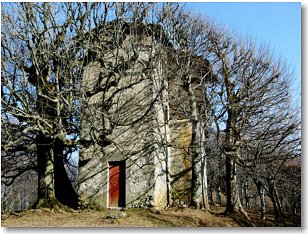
(173, 217)
(112, 218)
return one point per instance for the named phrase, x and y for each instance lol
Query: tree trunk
(263, 204)
(233, 197)
(205, 197)
(210, 196)
(167, 156)
(54, 186)
(261, 192)
(245, 198)
(45, 159)
(64, 191)
(273, 194)
(218, 196)
(234, 205)
(199, 197)
(194, 152)
(294, 205)
(231, 151)
(196, 180)
(199, 192)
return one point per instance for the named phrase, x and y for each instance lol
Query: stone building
(134, 147)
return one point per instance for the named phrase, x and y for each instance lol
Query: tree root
(216, 212)
(52, 204)
(241, 217)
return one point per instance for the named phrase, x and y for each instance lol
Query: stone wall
(126, 117)
(123, 120)
(180, 160)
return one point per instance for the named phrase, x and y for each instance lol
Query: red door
(116, 184)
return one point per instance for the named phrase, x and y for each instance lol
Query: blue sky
(276, 24)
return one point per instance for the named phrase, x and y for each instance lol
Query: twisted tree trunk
(54, 186)
(45, 159)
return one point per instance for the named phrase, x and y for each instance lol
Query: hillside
(172, 217)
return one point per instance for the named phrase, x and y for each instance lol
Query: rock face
(125, 119)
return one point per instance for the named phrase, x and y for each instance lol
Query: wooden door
(116, 184)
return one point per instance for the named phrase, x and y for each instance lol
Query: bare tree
(89, 66)
(45, 92)
(41, 74)
(191, 72)
(250, 96)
